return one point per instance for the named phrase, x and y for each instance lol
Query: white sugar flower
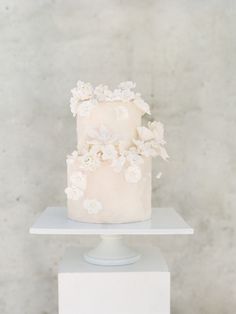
(101, 135)
(148, 150)
(73, 193)
(144, 133)
(92, 206)
(127, 85)
(102, 93)
(134, 158)
(145, 148)
(89, 162)
(117, 94)
(123, 94)
(122, 113)
(160, 150)
(133, 174)
(141, 104)
(74, 102)
(158, 131)
(84, 91)
(163, 153)
(72, 158)
(127, 95)
(118, 164)
(78, 180)
(84, 109)
(109, 152)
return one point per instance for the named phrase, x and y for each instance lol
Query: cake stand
(80, 268)
(111, 250)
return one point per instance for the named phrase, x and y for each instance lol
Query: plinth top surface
(151, 260)
(53, 220)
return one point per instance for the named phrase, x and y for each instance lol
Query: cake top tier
(111, 121)
(110, 134)
(85, 97)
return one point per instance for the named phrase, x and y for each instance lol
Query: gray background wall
(182, 56)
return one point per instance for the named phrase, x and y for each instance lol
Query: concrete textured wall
(182, 56)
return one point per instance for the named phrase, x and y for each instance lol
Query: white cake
(109, 175)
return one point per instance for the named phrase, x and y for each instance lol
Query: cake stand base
(111, 251)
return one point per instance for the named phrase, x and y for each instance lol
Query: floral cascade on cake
(109, 175)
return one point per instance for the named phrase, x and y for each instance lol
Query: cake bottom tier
(109, 198)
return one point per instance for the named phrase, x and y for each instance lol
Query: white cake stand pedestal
(111, 251)
(113, 275)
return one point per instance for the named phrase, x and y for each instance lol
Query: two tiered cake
(109, 175)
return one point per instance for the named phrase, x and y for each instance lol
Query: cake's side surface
(109, 198)
(119, 118)
(109, 176)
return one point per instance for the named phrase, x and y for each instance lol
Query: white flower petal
(158, 131)
(109, 152)
(127, 95)
(74, 103)
(78, 180)
(142, 105)
(145, 149)
(84, 91)
(118, 164)
(163, 153)
(101, 135)
(144, 133)
(72, 158)
(117, 94)
(92, 206)
(89, 162)
(133, 174)
(134, 158)
(85, 107)
(73, 193)
(102, 93)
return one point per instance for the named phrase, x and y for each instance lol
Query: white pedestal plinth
(140, 288)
